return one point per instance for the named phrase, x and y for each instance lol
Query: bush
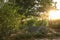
(9, 21)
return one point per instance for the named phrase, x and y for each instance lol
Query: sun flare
(54, 15)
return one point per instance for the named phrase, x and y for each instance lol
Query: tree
(31, 7)
(14, 11)
(9, 20)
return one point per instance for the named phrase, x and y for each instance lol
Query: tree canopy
(13, 12)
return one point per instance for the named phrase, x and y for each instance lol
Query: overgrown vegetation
(21, 19)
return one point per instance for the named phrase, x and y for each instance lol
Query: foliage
(12, 14)
(55, 25)
(9, 20)
(31, 7)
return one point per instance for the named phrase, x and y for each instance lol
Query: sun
(54, 15)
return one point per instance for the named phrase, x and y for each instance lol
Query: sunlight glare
(58, 5)
(54, 15)
(56, 0)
